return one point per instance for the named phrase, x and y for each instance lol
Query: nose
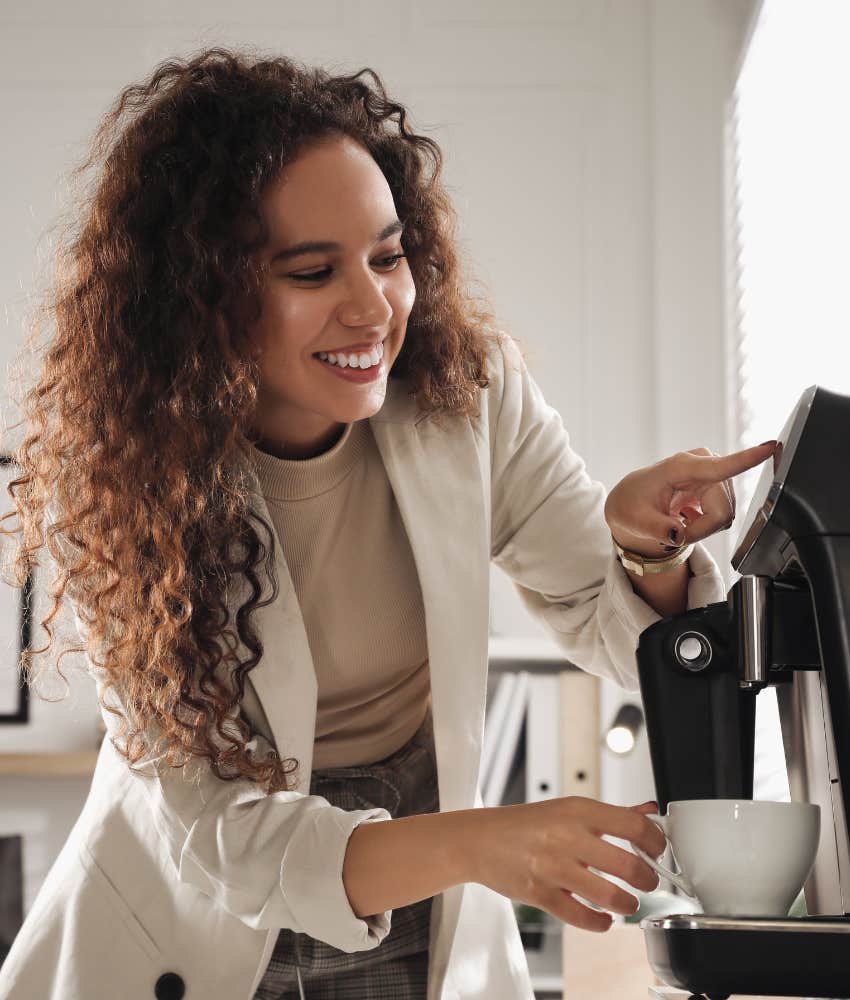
(364, 303)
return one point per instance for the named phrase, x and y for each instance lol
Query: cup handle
(678, 879)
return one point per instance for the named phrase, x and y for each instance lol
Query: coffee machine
(786, 623)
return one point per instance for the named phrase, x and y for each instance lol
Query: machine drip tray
(723, 956)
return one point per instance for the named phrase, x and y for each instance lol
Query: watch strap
(643, 565)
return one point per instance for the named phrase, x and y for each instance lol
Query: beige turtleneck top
(358, 590)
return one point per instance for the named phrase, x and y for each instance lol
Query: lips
(364, 347)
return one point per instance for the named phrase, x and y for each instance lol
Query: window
(789, 236)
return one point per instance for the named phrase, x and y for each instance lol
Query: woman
(277, 447)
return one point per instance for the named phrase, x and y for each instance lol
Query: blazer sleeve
(271, 860)
(549, 534)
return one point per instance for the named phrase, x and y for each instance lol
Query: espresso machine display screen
(772, 475)
(785, 623)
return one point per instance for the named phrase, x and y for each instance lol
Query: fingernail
(764, 444)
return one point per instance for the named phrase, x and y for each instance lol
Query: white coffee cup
(739, 857)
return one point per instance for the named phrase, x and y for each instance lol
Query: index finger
(716, 468)
(627, 824)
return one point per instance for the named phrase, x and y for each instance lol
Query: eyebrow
(326, 246)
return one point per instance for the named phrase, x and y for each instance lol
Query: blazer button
(169, 986)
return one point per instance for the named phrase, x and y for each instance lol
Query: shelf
(506, 653)
(547, 982)
(59, 764)
(535, 655)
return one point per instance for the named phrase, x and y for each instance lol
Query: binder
(506, 741)
(542, 739)
(494, 720)
(580, 734)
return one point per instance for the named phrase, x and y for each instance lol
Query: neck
(282, 448)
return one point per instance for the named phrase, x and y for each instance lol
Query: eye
(385, 263)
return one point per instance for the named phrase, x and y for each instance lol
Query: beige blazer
(176, 884)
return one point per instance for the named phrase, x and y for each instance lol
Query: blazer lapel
(439, 484)
(284, 679)
(436, 476)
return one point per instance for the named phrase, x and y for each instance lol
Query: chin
(361, 413)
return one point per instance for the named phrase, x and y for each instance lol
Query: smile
(360, 359)
(367, 366)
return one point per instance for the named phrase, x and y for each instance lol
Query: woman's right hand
(541, 852)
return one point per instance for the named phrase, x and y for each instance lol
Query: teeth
(361, 360)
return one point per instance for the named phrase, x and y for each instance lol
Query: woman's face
(335, 286)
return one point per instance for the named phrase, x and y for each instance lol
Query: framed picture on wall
(15, 625)
(11, 891)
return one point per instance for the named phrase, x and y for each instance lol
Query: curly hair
(146, 390)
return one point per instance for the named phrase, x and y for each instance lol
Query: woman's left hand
(681, 499)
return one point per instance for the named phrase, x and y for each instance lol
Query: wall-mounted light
(623, 732)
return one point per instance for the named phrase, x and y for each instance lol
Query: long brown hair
(148, 384)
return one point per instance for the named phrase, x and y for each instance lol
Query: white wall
(647, 335)
(583, 146)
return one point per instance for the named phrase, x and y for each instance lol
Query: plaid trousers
(405, 784)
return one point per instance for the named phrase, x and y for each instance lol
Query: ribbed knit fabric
(358, 590)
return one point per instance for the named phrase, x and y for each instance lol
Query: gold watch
(642, 565)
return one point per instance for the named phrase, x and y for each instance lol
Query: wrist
(640, 546)
(640, 565)
(397, 862)
(466, 831)
(665, 593)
